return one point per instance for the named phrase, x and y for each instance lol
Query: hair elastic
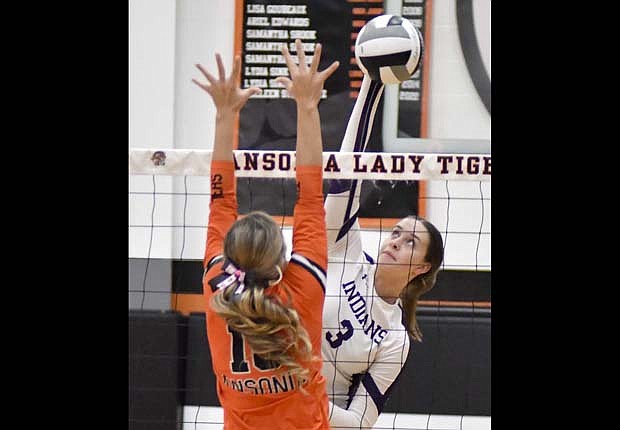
(275, 281)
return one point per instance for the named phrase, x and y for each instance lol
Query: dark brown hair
(423, 282)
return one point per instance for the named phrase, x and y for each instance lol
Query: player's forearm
(338, 206)
(356, 120)
(222, 207)
(224, 135)
(309, 142)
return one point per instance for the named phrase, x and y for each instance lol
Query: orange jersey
(253, 394)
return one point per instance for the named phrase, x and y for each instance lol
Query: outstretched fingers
(316, 59)
(289, 60)
(220, 67)
(236, 67)
(286, 82)
(249, 92)
(207, 88)
(206, 74)
(328, 72)
(301, 55)
(304, 80)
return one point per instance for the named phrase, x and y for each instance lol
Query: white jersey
(365, 342)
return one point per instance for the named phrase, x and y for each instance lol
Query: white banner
(336, 165)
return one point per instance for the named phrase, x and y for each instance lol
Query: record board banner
(269, 120)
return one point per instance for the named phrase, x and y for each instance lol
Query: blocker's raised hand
(306, 83)
(225, 92)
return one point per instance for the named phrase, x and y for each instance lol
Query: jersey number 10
(239, 364)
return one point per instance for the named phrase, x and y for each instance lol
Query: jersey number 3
(340, 337)
(239, 364)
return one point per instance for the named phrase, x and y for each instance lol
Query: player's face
(405, 248)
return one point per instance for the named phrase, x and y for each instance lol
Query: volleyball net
(456, 197)
(169, 195)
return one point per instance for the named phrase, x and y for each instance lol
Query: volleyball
(389, 48)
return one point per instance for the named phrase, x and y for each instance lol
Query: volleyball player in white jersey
(370, 303)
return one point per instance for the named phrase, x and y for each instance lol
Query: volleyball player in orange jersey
(264, 313)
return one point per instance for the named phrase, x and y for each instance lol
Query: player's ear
(422, 268)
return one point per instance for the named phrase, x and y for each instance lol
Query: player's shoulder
(307, 268)
(397, 341)
(396, 344)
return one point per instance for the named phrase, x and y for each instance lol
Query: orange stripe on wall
(378, 222)
(422, 195)
(366, 223)
(367, 11)
(374, 223)
(237, 49)
(454, 304)
(187, 303)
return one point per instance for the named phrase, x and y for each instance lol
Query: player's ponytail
(423, 282)
(255, 253)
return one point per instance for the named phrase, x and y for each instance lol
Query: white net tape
(337, 165)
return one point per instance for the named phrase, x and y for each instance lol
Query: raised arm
(305, 86)
(228, 99)
(342, 202)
